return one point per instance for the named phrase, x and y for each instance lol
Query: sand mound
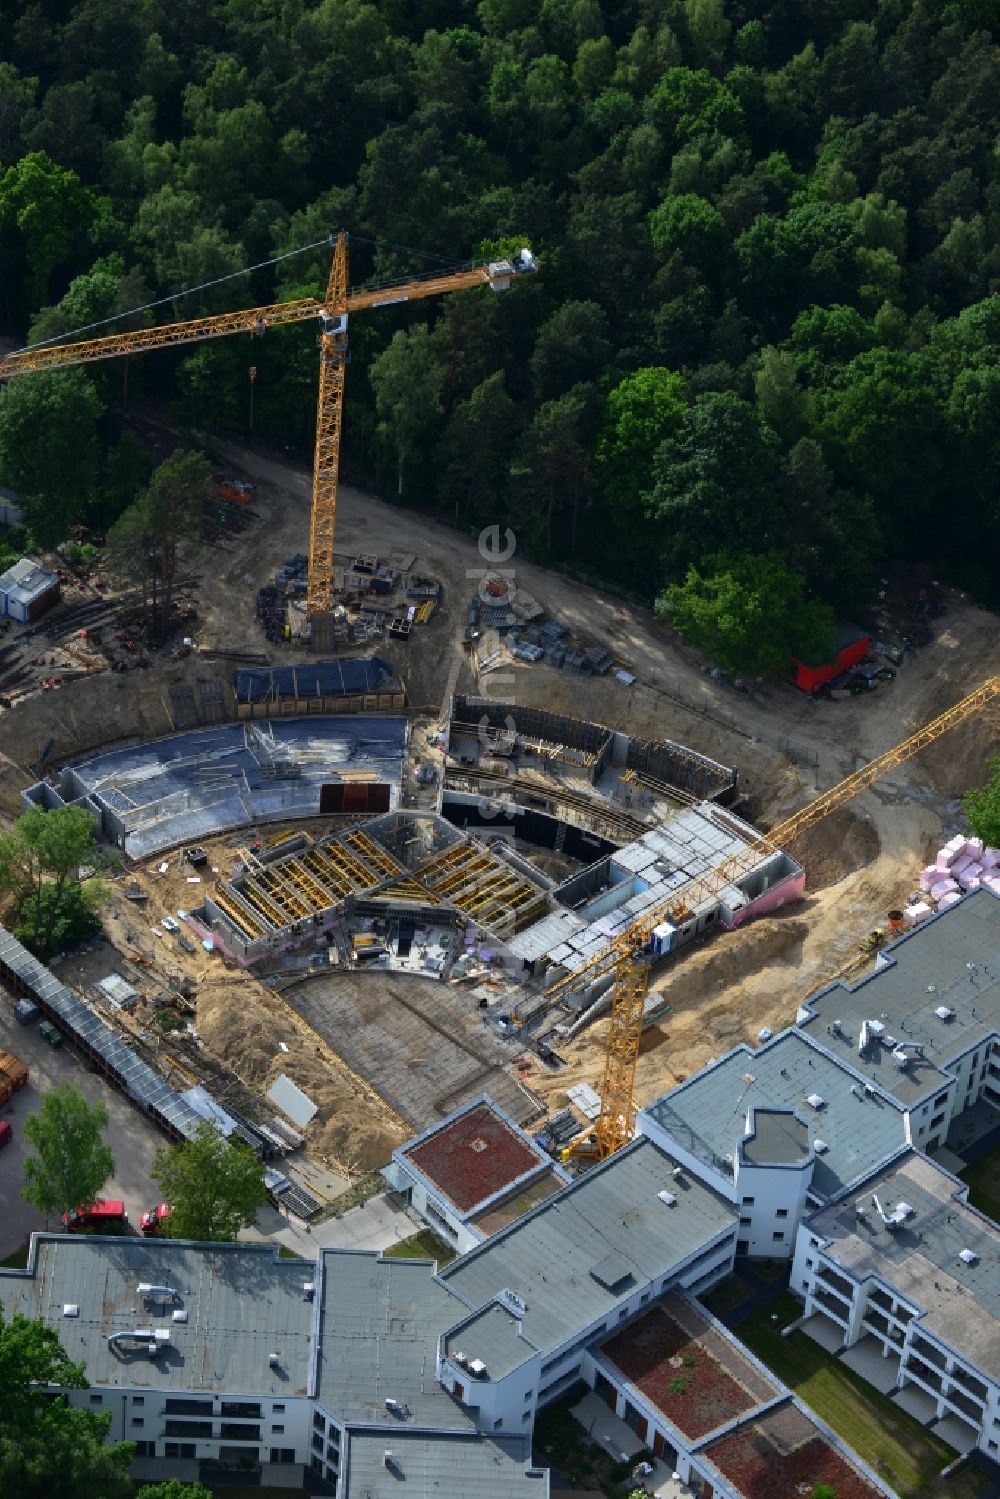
(840, 845)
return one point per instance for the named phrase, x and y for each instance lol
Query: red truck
(151, 1222)
(103, 1216)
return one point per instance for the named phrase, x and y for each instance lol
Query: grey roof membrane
(779, 1139)
(920, 1258)
(379, 1327)
(193, 784)
(707, 1114)
(951, 961)
(448, 1466)
(649, 871)
(219, 1347)
(548, 1257)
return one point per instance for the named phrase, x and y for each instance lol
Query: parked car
(106, 1215)
(151, 1222)
(6, 1133)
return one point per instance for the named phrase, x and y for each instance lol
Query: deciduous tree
(71, 1161)
(214, 1186)
(749, 614)
(48, 1447)
(982, 806)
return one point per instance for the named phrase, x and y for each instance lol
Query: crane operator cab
(333, 325)
(502, 272)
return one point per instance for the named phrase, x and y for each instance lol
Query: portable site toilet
(27, 590)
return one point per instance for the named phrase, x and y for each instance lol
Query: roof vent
(512, 1302)
(477, 1367)
(932, 988)
(944, 1012)
(668, 1198)
(458, 1357)
(677, 1172)
(820, 1147)
(70, 1309)
(478, 1145)
(308, 1289)
(968, 1257)
(157, 1293)
(180, 1315)
(815, 1101)
(273, 1360)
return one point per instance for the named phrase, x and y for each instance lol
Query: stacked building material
(963, 864)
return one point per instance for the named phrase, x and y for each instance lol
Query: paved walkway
(376, 1224)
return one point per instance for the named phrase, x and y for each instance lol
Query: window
(748, 1202)
(623, 1314)
(317, 1441)
(282, 1454)
(938, 1119)
(138, 1400)
(745, 1222)
(742, 1246)
(941, 1098)
(319, 1422)
(810, 1264)
(178, 1449)
(525, 1417)
(277, 1427)
(498, 1423)
(187, 1428)
(239, 1431)
(240, 1408)
(275, 1408)
(643, 1298)
(528, 1394)
(781, 1213)
(138, 1421)
(97, 1399)
(778, 1235)
(145, 1449)
(177, 1407)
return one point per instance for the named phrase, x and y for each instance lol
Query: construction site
(398, 850)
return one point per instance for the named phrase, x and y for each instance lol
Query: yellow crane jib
(332, 314)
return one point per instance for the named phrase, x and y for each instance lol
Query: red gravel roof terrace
(474, 1157)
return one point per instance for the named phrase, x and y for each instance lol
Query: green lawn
(984, 1183)
(896, 1446)
(424, 1245)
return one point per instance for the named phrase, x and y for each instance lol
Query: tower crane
(627, 956)
(332, 313)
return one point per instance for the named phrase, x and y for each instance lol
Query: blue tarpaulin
(313, 679)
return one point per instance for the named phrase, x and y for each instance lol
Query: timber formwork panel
(258, 900)
(242, 917)
(373, 854)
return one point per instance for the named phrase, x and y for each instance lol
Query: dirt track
(859, 864)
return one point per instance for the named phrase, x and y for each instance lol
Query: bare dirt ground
(786, 746)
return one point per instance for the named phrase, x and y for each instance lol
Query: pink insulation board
(991, 858)
(948, 900)
(974, 847)
(970, 882)
(943, 887)
(929, 876)
(961, 865)
(916, 913)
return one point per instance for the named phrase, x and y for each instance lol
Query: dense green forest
(765, 333)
